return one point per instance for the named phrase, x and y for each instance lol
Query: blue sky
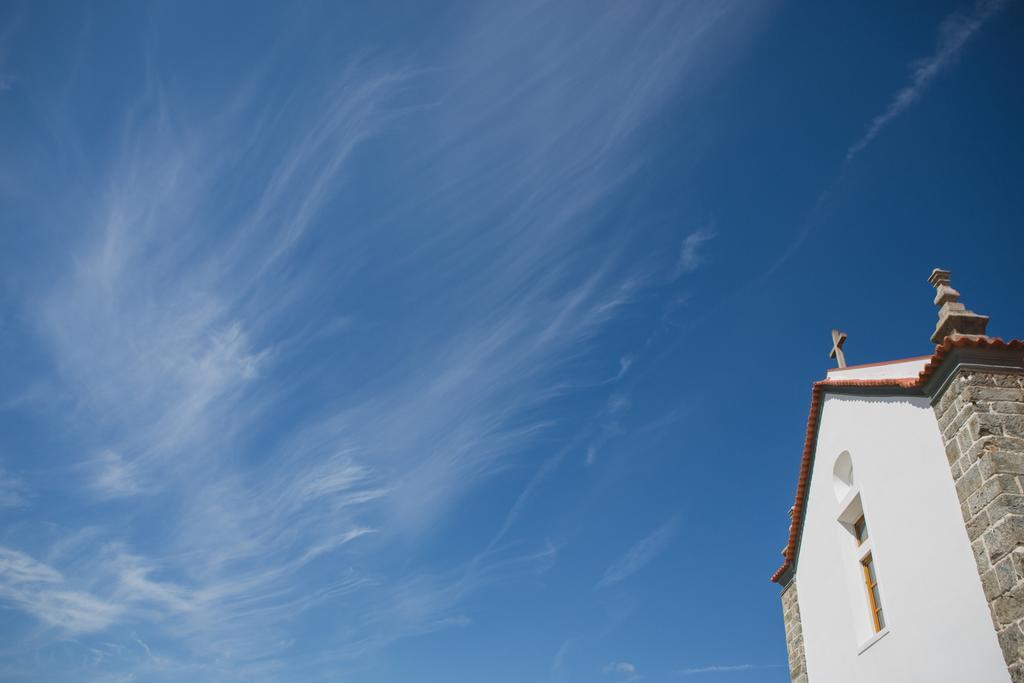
(463, 342)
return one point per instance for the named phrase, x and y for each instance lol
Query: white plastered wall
(938, 623)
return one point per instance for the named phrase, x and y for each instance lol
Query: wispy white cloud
(536, 481)
(639, 555)
(728, 668)
(69, 611)
(954, 34)
(622, 671)
(625, 363)
(112, 476)
(18, 568)
(559, 661)
(286, 482)
(160, 334)
(690, 256)
(42, 591)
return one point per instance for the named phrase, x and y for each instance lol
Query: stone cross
(838, 339)
(954, 318)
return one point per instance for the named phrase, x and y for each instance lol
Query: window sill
(872, 640)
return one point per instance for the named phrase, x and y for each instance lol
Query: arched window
(842, 475)
(853, 520)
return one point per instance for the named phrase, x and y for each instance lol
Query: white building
(905, 559)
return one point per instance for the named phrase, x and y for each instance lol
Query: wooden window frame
(867, 564)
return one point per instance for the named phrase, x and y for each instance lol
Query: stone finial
(954, 318)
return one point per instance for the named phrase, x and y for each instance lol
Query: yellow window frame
(867, 565)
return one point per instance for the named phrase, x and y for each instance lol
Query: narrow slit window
(875, 604)
(860, 530)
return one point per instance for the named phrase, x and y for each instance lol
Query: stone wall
(794, 634)
(981, 415)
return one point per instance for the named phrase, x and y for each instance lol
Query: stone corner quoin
(981, 417)
(794, 634)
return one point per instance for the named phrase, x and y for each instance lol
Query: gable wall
(938, 620)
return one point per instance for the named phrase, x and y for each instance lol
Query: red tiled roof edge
(817, 394)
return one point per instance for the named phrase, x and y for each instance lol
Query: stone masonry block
(961, 420)
(1013, 425)
(968, 446)
(969, 378)
(1011, 641)
(1011, 442)
(1009, 607)
(969, 483)
(953, 452)
(989, 491)
(980, 523)
(1007, 407)
(955, 421)
(1004, 537)
(981, 425)
(975, 394)
(980, 556)
(955, 469)
(992, 444)
(954, 418)
(964, 465)
(944, 401)
(995, 462)
(1009, 380)
(990, 585)
(1018, 563)
(1005, 574)
(1005, 504)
